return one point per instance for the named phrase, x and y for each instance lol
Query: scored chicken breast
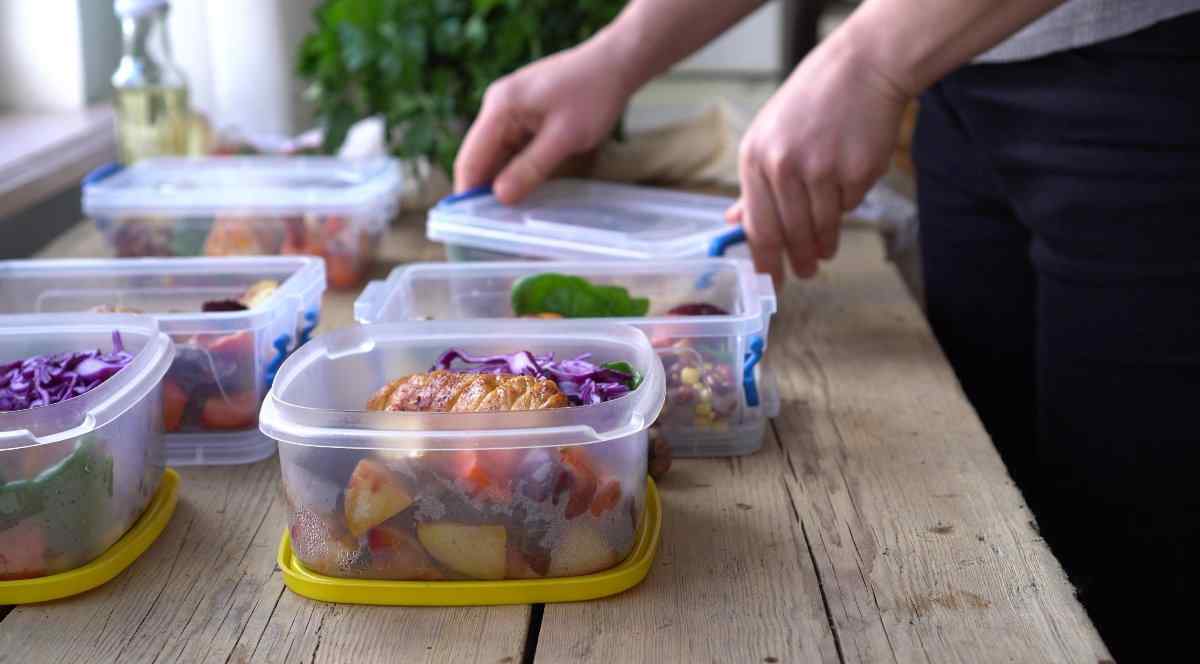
(444, 391)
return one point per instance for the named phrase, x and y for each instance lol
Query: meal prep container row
(459, 496)
(235, 206)
(75, 475)
(225, 361)
(719, 395)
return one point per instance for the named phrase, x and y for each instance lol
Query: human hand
(535, 118)
(812, 153)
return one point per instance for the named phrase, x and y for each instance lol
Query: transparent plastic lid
(319, 394)
(170, 289)
(266, 185)
(29, 335)
(581, 219)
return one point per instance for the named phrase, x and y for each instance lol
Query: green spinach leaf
(574, 297)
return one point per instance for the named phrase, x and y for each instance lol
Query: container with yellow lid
(454, 498)
(76, 473)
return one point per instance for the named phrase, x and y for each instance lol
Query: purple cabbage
(583, 382)
(48, 379)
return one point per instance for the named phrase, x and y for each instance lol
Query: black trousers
(1060, 226)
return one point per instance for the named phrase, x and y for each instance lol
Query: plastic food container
(224, 361)
(719, 396)
(238, 206)
(459, 496)
(582, 220)
(75, 475)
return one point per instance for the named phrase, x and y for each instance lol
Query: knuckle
(778, 160)
(499, 94)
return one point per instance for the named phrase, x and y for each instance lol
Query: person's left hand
(812, 153)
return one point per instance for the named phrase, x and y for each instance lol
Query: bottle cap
(136, 8)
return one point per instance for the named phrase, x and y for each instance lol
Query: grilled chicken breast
(444, 391)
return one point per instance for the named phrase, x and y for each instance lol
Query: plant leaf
(574, 297)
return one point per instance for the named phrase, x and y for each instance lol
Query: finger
(533, 165)
(489, 144)
(795, 212)
(735, 213)
(764, 232)
(826, 201)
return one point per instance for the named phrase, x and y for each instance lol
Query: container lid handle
(721, 243)
(101, 172)
(753, 356)
(473, 192)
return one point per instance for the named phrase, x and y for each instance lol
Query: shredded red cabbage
(48, 379)
(583, 382)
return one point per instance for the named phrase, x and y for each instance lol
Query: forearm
(650, 36)
(915, 42)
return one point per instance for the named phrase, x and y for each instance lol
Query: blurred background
(269, 75)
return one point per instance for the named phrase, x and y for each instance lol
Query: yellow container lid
(112, 562)
(628, 574)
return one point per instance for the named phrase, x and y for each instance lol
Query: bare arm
(567, 103)
(916, 42)
(649, 36)
(828, 133)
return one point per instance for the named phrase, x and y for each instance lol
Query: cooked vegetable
(478, 552)
(48, 379)
(373, 496)
(574, 297)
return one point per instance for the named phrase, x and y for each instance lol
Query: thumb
(735, 214)
(549, 148)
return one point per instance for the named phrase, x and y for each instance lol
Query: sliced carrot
(174, 402)
(607, 497)
(343, 271)
(583, 481)
(240, 411)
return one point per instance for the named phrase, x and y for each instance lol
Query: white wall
(754, 46)
(53, 79)
(240, 59)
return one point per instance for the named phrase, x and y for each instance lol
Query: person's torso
(1079, 23)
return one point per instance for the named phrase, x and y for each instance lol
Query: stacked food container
(237, 206)
(708, 319)
(233, 321)
(655, 243)
(82, 484)
(491, 505)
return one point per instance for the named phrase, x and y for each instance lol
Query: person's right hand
(535, 118)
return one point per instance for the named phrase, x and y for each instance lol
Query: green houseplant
(423, 65)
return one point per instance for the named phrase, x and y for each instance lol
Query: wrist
(857, 52)
(619, 50)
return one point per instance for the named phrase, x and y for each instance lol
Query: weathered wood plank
(896, 502)
(926, 549)
(733, 581)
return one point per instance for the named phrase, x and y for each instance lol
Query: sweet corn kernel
(690, 375)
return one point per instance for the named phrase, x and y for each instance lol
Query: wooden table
(877, 524)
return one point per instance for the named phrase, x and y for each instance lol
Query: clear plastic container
(75, 475)
(581, 220)
(718, 397)
(248, 206)
(225, 361)
(436, 496)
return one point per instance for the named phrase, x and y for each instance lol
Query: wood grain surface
(877, 524)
